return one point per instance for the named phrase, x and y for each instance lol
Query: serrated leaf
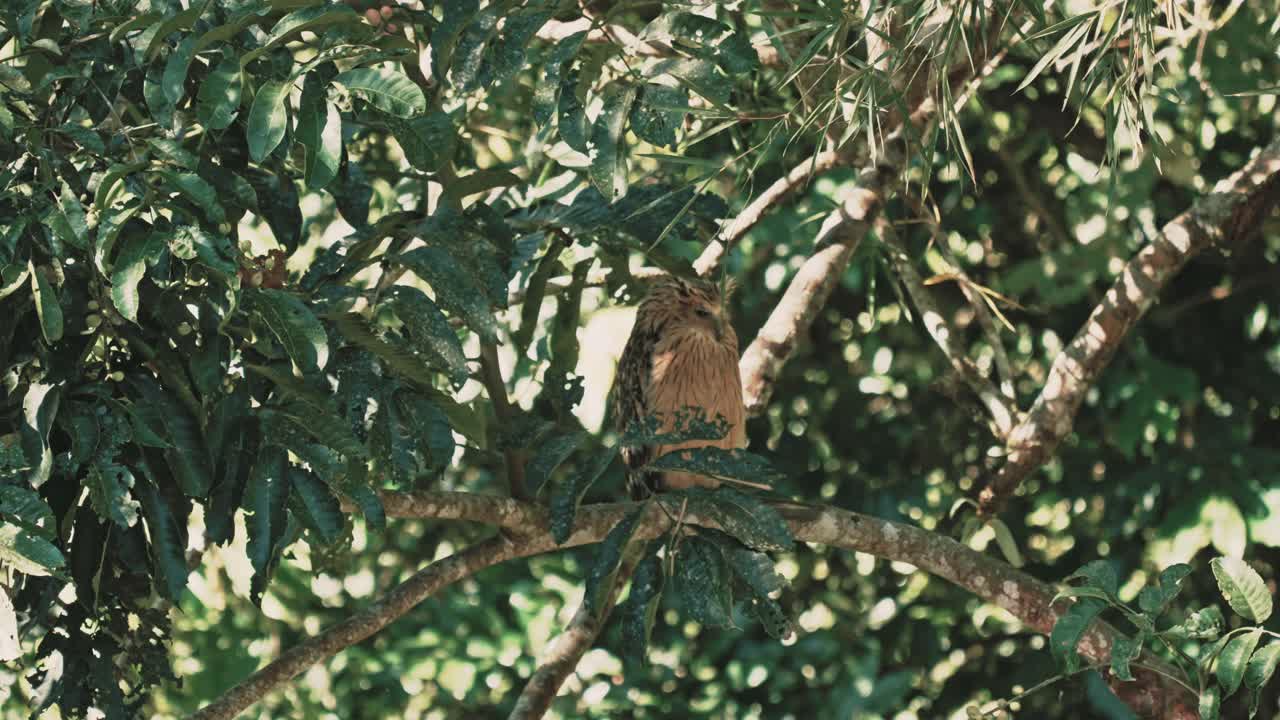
(47, 307)
(1124, 650)
(746, 517)
(293, 324)
(548, 456)
(454, 288)
(717, 462)
(168, 548)
(1153, 600)
(1070, 627)
(1262, 666)
(175, 69)
(1233, 659)
(218, 101)
(640, 611)
(320, 133)
(608, 149)
(324, 512)
(268, 119)
(1099, 574)
(1242, 588)
(702, 583)
(567, 492)
(608, 557)
(429, 331)
(388, 90)
(28, 553)
(141, 250)
(265, 499)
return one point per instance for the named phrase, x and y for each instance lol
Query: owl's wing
(631, 397)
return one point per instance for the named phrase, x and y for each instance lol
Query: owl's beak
(717, 323)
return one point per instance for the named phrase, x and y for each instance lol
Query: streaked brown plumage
(682, 353)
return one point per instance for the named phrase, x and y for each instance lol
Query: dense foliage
(261, 261)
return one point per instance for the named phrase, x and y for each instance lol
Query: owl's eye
(702, 312)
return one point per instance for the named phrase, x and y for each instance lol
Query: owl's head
(689, 304)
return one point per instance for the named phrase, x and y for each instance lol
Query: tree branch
(1229, 215)
(839, 236)
(491, 374)
(1002, 413)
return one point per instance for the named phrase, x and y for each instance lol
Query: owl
(682, 353)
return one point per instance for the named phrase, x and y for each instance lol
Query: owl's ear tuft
(728, 286)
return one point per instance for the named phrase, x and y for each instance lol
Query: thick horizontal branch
(1023, 596)
(839, 236)
(1230, 214)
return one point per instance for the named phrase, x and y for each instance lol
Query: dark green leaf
(1099, 574)
(28, 553)
(172, 151)
(1153, 600)
(199, 192)
(1242, 588)
(1124, 650)
(469, 54)
(23, 507)
(455, 289)
(265, 500)
(640, 610)
(39, 408)
(214, 251)
(431, 426)
(67, 219)
(429, 331)
(719, 463)
(1262, 666)
(1210, 703)
(323, 511)
(571, 115)
(567, 492)
(1233, 659)
(1203, 624)
(268, 119)
(320, 132)
(746, 517)
(1070, 627)
(388, 90)
(109, 492)
(608, 557)
(658, 113)
(168, 541)
(186, 454)
(548, 91)
(218, 101)
(702, 583)
(548, 456)
(175, 69)
(47, 307)
(608, 149)
(428, 140)
(293, 324)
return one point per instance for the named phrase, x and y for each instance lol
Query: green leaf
(658, 113)
(25, 508)
(218, 102)
(428, 141)
(388, 90)
(1124, 650)
(469, 54)
(571, 115)
(429, 331)
(431, 426)
(199, 192)
(1008, 546)
(109, 485)
(214, 251)
(265, 500)
(608, 150)
(320, 132)
(175, 69)
(720, 463)
(168, 542)
(297, 329)
(47, 307)
(172, 151)
(369, 503)
(702, 583)
(548, 456)
(10, 648)
(687, 423)
(175, 23)
(640, 611)
(548, 90)
(186, 454)
(323, 511)
(744, 516)
(1262, 665)
(567, 492)
(1210, 703)
(1233, 659)
(1070, 627)
(454, 288)
(1153, 600)
(1242, 588)
(67, 219)
(391, 443)
(755, 570)
(1204, 624)
(39, 408)
(268, 118)
(28, 553)
(308, 18)
(1099, 574)
(140, 251)
(608, 557)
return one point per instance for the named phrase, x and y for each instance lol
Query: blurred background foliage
(1175, 455)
